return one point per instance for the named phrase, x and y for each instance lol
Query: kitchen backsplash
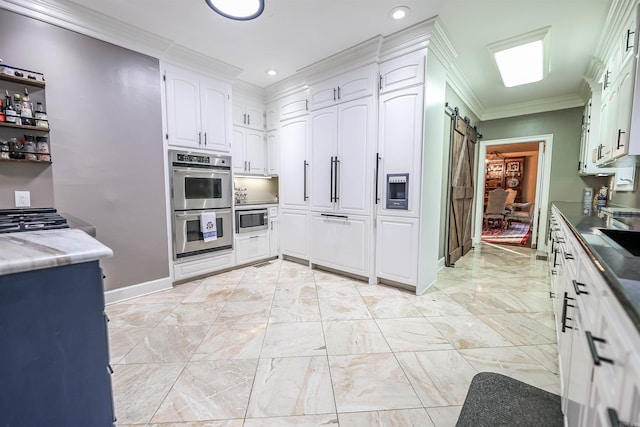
(256, 190)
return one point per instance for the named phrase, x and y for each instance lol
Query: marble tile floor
(285, 345)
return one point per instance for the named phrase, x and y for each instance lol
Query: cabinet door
(580, 369)
(607, 122)
(341, 242)
(252, 248)
(355, 123)
(625, 104)
(271, 116)
(214, 105)
(397, 249)
(238, 152)
(273, 153)
(183, 109)
(256, 152)
(629, 411)
(293, 171)
(402, 72)
(294, 106)
(400, 143)
(274, 237)
(294, 234)
(357, 83)
(324, 135)
(323, 94)
(238, 113)
(629, 39)
(255, 116)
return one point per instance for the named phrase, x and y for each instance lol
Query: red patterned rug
(516, 234)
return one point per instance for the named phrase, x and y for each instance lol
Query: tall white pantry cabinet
(339, 139)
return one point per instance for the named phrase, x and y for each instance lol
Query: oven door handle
(208, 169)
(197, 213)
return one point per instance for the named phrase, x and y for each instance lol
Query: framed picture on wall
(513, 166)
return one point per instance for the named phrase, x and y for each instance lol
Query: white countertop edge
(36, 250)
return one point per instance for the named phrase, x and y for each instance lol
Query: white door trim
(542, 186)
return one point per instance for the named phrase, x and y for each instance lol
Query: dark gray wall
(104, 106)
(565, 125)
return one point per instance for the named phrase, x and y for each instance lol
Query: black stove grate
(30, 219)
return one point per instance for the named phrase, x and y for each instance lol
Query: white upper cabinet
(198, 111)
(249, 151)
(248, 114)
(351, 85)
(295, 105)
(400, 145)
(271, 116)
(622, 125)
(273, 153)
(405, 71)
(590, 139)
(294, 164)
(628, 41)
(341, 160)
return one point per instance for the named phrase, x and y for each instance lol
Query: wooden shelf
(46, 162)
(22, 80)
(25, 127)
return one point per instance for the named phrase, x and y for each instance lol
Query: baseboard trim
(135, 291)
(440, 263)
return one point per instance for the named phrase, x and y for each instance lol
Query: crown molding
(618, 13)
(188, 58)
(242, 89)
(407, 40)
(85, 21)
(533, 107)
(356, 56)
(88, 22)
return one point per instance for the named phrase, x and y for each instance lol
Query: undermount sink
(628, 239)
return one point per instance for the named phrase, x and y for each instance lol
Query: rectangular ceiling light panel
(522, 59)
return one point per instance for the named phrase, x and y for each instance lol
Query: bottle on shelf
(26, 109)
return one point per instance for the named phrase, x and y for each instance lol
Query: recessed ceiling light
(523, 59)
(240, 10)
(271, 71)
(399, 12)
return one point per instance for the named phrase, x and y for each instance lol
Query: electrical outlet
(23, 199)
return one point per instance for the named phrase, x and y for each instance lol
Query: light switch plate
(23, 199)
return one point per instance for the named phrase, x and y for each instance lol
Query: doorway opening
(512, 191)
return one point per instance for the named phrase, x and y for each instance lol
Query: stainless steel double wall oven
(200, 183)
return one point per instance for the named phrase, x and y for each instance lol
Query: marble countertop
(75, 222)
(620, 268)
(34, 250)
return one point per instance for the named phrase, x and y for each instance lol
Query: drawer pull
(576, 285)
(566, 304)
(597, 359)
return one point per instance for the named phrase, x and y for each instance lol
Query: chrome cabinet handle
(377, 199)
(335, 216)
(334, 93)
(331, 181)
(597, 359)
(205, 139)
(304, 185)
(199, 138)
(576, 285)
(566, 304)
(338, 92)
(335, 180)
(627, 47)
(620, 132)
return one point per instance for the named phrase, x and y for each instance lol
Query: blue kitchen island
(54, 350)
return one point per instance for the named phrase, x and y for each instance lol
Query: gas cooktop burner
(30, 219)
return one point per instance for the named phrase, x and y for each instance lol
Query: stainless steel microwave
(251, 220)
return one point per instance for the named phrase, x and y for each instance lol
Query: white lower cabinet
(597, 341)
(342, 242)
(252, 247)
(397, 249)
(294, 233)
(274, 237)
(205, 265)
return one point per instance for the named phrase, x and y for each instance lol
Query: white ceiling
(292, 34)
